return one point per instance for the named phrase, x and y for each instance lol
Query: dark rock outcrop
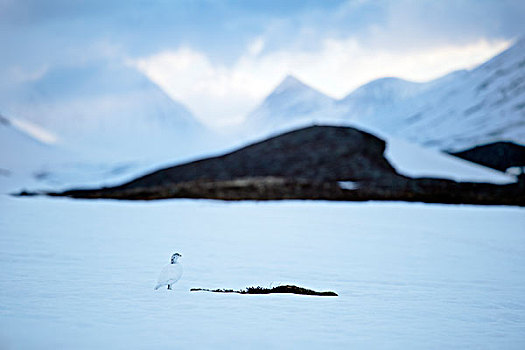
(498, 155)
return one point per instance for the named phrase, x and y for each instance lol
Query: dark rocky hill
(308, 163)
(497, 155)
(319, 153)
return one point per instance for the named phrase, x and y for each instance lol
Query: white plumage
(171, 273)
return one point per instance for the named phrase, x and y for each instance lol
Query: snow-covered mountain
(380, 94)
(92, 124)
(291, 104)
(381, 97)
(455, 112)
(106, 111)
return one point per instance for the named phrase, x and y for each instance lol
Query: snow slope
(457, 112)
(79, 275)
(413, 160)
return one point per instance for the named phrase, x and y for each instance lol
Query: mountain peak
(290, 83)
(291, 104)
(292, 92)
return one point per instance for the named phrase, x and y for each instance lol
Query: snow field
(81, 274)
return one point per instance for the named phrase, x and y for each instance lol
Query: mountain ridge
(457, 111)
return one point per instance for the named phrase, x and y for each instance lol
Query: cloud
(220, 94)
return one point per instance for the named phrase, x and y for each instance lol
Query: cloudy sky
(221, 58)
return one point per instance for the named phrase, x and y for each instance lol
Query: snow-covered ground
(80, 275)
(415, 161)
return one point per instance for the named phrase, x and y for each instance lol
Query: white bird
(171, 273)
